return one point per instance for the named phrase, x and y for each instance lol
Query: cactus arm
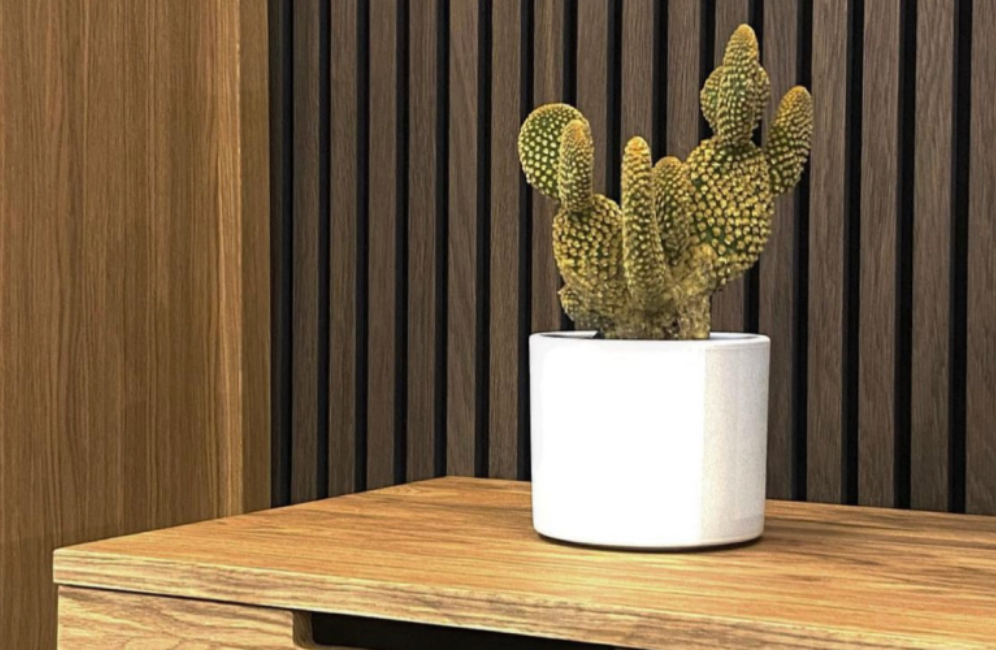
(788, 142)
(672, 198)
(539, 145)
(647, 274)
(576, 166)
(733, 101)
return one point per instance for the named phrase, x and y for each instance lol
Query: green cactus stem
(646, 269)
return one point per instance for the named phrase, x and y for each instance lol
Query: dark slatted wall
(412, 261)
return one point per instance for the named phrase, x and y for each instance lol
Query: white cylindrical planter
(649, 444)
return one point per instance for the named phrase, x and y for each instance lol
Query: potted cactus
(648, 430)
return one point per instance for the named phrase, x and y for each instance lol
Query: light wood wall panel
(134, 264)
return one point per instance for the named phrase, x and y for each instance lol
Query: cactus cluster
(646, 267)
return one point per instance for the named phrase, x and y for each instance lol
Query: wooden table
(461, 553)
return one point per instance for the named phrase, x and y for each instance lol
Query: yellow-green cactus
(648, 268)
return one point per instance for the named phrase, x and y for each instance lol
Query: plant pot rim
(715, 340)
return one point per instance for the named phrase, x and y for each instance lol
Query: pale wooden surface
(462, 552)
(134, 278)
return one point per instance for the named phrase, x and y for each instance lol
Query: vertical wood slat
(826, 245)
(306, 202)
(342, 252)
(776, 304)
(638, 72)
(503, 373)
(462, 252)
(879, 194)
(421, 240)
(683, 53)
(728, 304)
(980, 380)
(593, 81)
(548, 74)
(382, 175)
(932, 255)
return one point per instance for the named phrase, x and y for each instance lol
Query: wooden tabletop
(462, 552)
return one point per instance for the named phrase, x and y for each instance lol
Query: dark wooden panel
(593, 83)
(683, 72)
(421, 239)
(548, 76)
(879, 178)
(462, 253)
(980, 419)
(728, 304)
(932, 255)
(638, 71)
(776, 302)
(826, 245)
(504, 338)
(382, 222)
(342, 252)
(306, 201)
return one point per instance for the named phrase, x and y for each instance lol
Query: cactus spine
(646, 268)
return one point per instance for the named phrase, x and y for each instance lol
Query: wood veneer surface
(462, 552)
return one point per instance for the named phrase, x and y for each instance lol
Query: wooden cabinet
(461, 553)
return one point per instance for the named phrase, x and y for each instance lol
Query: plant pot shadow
(692, 550)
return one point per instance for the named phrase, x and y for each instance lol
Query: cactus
(646, 268)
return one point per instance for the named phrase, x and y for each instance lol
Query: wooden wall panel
(548, 86)
(876, 394)
(344, 224)
(133, 263)
(825, 425)
(932, 241)
(728, 304)
(980, 419)
(877, 342)
(776, 303)
(461, 416)
(382, 226)
(422, 254)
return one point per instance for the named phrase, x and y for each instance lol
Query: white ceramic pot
(649, 444)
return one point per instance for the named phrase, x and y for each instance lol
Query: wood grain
(776, 302)
(932, 223)
(638, 71)
(90, 618)
(548, 77)
(422, 256)
(728, 304)
(503, 369)
(129, 136)
(879, 203)
(825, 426)
(981, 344)
(593, 83)
(382, 222)
(462, 252)
(462, 552)
(307, 188)
(683, 54)
(343, 225)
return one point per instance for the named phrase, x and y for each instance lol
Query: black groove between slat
(401, 245)
(482, 346)
(752, 280)
(852, 251)
(800, 283)
(281, 35)
(707, 54)
(613, 113)
(525, 306)
(362, 235)
(959, 255)
(442, 232)
(570, 88)
(905, 213)
(324, 229)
